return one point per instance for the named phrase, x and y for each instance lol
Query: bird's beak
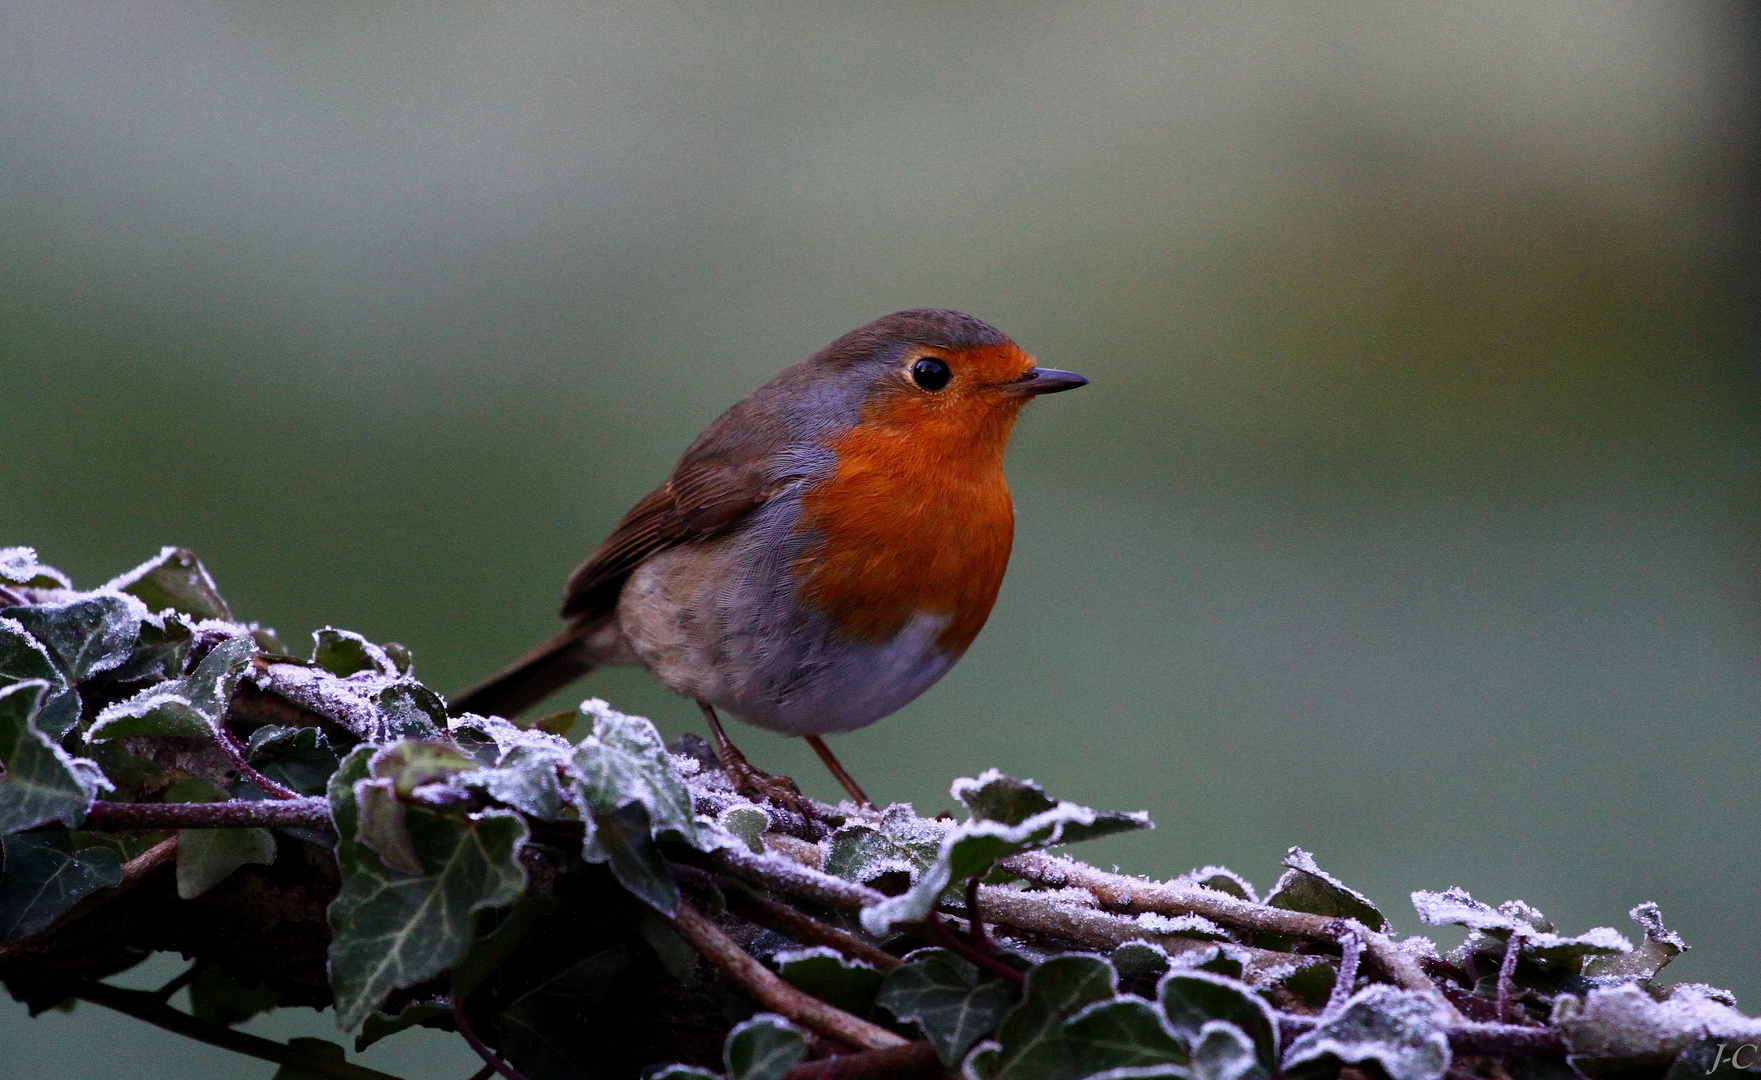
(1044, 380)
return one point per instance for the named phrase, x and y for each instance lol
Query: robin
(822, 554)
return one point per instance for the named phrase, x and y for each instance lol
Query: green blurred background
(1411, 516)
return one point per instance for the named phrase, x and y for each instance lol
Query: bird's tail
(530, 679)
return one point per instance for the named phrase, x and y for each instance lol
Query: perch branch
(787, 921)
(301, 811)
(774, 993)
(492, 1059)
(235, 753)
(145, 1005)
(912, 1059)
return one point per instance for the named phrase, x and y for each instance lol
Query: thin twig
(144, 1005)
(134, 871)
(235, 753)
(1351, 946)
(912, 1059)
(785, 875)
(492, 1058)
(980, 939)
(786, 920)
(1513, 948)
(487, 1071)
(181, 980)
(951, 941)
(302, 811)
(774, 993)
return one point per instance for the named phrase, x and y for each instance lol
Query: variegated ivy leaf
(190, 707)
(391, 929)
(973, 847)
(42, 782)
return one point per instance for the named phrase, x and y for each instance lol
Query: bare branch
(300, 811)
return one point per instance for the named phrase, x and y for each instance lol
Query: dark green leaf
(749, 823)
(174, 579)
(42, 782)
(555, 1031)
(1140, 960)
(390, 929)
(344, 652)
(1306, 887)
(218, 998)
(1121, 1033)
(86, 636)
(1661, 945)
(299, 758)
(863, 853)
(409, 710)
(381, 825)
(315, 1050)
(1191, 999)
(44, 877)
(1403, 1032)
(625, 761)
(1225, 1052)
(624, 838)
(411, 763)
(995, 797)
(1032, 1033)
(493, 949)
(1543, 952)
(831, 977)
(763, 1048)
(949, 1000)
(24, 657)
(160, 652)
(190, 707)
(206, 857)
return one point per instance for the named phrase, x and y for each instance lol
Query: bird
(821, 554)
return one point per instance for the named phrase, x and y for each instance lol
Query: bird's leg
(747, 780)
(837, 769)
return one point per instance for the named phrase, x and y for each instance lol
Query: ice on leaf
(174, 579)
(42, 782)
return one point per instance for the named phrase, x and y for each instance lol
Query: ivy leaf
(19, 566)
(84, 637)
(380, 824)
(1121, 1033)
(862, 853)
(1661, 945)
(556, 1029)
(973, 847)
(160, 651)
(1225, 1052)
(44, 876)
(1192, 999)
(1622, 1030)
(413, 763)
(948, 998)
(24, 657)
(1140, 960)
(1402, 1032)
(379, 1025)
(749, 823)
(995, 797)
(174, 579)
(409, 710)
(299, 758)
(624, 838)
(390, 929)
(763, 1048)
(1541, 948)
(190, 707)
(1031, 1035)
(680, 1072)
(1306, 887)
(831, 977)
(206, 857)
(218, 998)
(42, 782)
(625, 761)
(344, 652)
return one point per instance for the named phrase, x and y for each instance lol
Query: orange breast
(916, 517)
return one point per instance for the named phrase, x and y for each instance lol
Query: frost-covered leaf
(206, 857)
(380, 824)
(980, 1062)
(1221, 879)
(1032, 1033)
(624, 838)
(973, 847)
(412, 763)
(299, 758)
(948, 998)
(19, 566)
(84, 637)
(24, 657)
(218, 998)
(1492, 927)
(831, 977)
(409, 710)
(748, 823)
(390, 929)
(174, 579)
(160, 651)
(680, 1072)
(44, 876)
(1306, 887)
(1620, 1030)
(42, 782)
(1223, 1051)
(1140, 960)
(995, 797)
(190, 707)
(763, 1048)
(1119, 1033)
(625, 761)
(862, 853)
(1190, 999)
(1661, 945)
(1403, 1032)
(344, 652)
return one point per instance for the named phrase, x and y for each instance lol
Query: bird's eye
(930, 373)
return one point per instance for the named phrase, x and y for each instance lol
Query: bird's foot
(764, 787)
